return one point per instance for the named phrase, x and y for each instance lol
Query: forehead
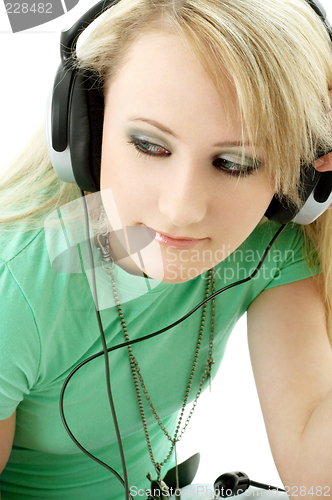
(161, 75)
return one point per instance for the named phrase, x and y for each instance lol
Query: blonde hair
(276, 55)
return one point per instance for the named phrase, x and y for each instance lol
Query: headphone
(235, 483)
(74, 125)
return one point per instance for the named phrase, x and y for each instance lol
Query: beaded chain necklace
(102, 244)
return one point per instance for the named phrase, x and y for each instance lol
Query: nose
(184, 200)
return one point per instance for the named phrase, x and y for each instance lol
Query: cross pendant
(158, 489)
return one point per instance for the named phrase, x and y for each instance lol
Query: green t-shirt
(49, 326)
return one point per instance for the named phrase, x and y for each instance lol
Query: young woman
(211, 108)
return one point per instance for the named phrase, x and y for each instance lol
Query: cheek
(246, 205)
(259, 197)
(125, 186)
(110, 162)
(112, 182)
(239, 214)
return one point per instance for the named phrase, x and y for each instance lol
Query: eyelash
(245, 172)
(137, 143)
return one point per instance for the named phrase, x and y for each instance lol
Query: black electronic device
(237, 482)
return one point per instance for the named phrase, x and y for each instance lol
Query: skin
(324, 164)
(292, 363)
(185, 190)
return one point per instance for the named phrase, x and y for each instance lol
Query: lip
(174, 242)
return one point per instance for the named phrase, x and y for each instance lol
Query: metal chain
(137, 376)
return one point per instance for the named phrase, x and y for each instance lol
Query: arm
(292, 363)
(7, 430)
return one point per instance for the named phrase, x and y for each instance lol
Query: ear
(324, 164)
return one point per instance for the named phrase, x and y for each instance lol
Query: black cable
(265, 486)
(106, 350)
(124, 481)
(107, 370)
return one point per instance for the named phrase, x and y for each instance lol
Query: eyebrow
(167, 130)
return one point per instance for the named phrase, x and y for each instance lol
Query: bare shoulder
(7, 431)
(292, 360)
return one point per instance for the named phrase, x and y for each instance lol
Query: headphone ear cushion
(86, 115)
(281, 210)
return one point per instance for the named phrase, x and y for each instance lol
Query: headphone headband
(69, 36)
(319, 9)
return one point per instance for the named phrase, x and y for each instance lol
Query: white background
(227, 427)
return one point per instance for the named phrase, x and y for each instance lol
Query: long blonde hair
(277, 56)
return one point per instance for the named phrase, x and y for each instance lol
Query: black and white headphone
(74, 125)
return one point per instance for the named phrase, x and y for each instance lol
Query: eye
(235, 167)
(149, 148)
